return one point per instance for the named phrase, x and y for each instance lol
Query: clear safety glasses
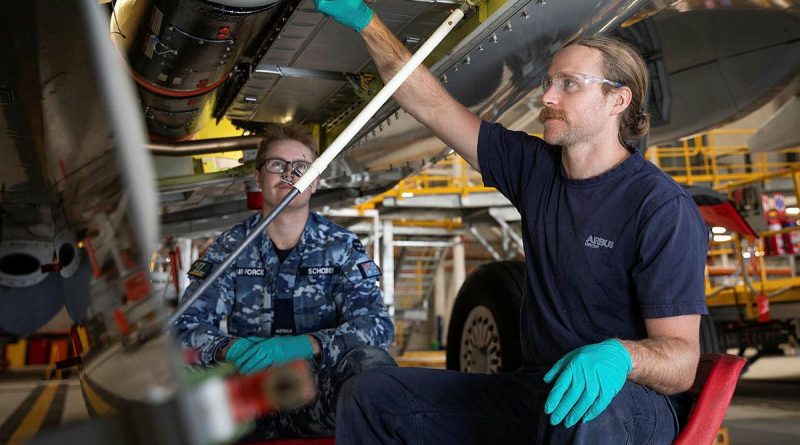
(573, 82)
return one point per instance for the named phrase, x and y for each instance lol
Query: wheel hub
(480, 343)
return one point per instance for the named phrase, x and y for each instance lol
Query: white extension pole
(333, 150)
(316, 169)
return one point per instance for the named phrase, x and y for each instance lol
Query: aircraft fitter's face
(575, 107)
(275, 186)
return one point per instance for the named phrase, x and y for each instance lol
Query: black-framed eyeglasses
(279, 166)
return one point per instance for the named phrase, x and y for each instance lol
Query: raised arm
(421, 95)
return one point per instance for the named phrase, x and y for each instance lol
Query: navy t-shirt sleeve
(670, 272)
(507, 159)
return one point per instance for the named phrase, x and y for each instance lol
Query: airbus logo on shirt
(595, 241)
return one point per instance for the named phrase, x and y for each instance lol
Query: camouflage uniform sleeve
(198, 327)
(364, 320)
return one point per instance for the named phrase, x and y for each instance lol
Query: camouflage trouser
(318, 418)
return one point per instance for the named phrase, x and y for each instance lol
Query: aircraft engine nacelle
(27, 262)
(181, 52)
(42, 268)
(176, 118)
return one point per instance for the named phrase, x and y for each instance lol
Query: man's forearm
(665, 364)
(422, 96)
(421, 90)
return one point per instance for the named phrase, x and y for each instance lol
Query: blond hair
(280, 132)
(622, 63)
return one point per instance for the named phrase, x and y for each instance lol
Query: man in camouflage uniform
(306, 289)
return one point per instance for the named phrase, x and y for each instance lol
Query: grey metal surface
(205, 146)
(715, 73)
(781, 130)
(74, 134)
(724, 63)
(311, 42)
(507, 55)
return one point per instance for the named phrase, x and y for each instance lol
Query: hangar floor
(765, 408)
(766, 405)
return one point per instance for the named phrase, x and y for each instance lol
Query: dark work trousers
(317, 418)
(428, 406)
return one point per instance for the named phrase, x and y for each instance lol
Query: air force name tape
(250, 271)
(319, 270)
(200, 269)
(369, 269)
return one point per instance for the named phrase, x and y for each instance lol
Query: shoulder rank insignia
(200, 269)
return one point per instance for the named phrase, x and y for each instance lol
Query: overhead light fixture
(792, 211)
(722, 238)
(718, 230)
(406, 194)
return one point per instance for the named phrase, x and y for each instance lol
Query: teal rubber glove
(274, 351)
(352, 13)
(238, 348)
(588, 378)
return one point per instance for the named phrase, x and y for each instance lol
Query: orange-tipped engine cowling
(181, 51)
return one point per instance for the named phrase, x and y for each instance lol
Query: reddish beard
(552, 113)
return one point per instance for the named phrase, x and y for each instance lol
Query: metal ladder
(414, 276)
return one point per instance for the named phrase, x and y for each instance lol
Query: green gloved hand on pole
(587, 380)
(265, 352)
(351, 13)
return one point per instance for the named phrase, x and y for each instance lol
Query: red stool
(713, 387)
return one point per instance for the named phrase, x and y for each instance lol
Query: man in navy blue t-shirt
(614, 252)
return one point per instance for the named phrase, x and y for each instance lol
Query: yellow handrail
(700, 159)
(451, 175)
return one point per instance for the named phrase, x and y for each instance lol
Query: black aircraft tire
(489, 300)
